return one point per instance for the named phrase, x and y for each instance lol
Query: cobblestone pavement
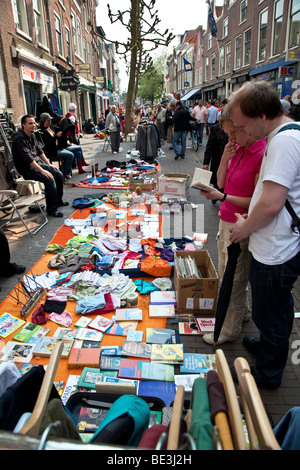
(28, 250)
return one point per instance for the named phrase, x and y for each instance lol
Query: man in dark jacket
(181, 122)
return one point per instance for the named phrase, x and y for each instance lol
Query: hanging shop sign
(34, 75)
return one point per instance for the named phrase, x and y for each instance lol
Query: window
(79, 38)
(262, 39)
(247, 46)
(209, 41)
(243, 10)
(39, 21)
(221, 62)
(294, 23)
(225, 27)
(238, 46)
(73, 16)
(213, 66)
(69, 47)
(206, 69)
(89, 57)
(278, 16)
(228, 58)
(84, 52)
(20, 15)
(58, 35)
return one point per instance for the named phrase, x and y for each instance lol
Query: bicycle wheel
(195, 140)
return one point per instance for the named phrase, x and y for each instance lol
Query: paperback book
(201, 180)
(136, 349)
(167, 352)
(162, 336)
(134, 335)
(17, 352)
(163, 390)
(130, 369)
(128, 314)
(86, 343)
(88, 334)
(26, 332)
(101, 323)
(110, 362)
(194, 363)
(161, 311)
(122, 329)
(9, 323)
(111, 350)
(188, 328)
(160, 297)
(83, 322)
(44, 346)
(80, 358)
(64, 333)
(160, 372)
(205, 325)
(88, 378)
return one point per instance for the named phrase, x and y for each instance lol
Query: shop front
(279, 74)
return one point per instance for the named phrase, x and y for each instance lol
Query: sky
(176, 15)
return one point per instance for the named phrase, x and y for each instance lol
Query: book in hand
(201, 180)
(161, 311)
(81, 357)
(167, 352)
(130, 369)
(128, 314)
(136, 349)
(205, 324)
(162, 336)
(160, 372)
(194, 363)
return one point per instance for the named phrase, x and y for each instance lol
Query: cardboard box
(173, 183)
(193, 295)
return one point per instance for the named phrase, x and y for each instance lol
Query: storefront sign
(31, 74)
(286, 71)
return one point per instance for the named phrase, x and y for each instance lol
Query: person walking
(275, 247)
(237, 175)
(200, 113)
(160, 118)
(169, 124)
(212, 115)
(113, 124)
(181, 121)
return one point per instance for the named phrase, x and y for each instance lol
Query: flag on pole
(187, 65)
(211, 21)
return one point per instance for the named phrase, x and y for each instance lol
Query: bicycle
(194, 135)
(106, 143)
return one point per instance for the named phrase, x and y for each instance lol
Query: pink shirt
(200, 113)
(240, 177)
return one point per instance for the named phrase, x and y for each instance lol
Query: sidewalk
(28, 250)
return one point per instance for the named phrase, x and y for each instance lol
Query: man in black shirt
(27, 151)
(181, 120)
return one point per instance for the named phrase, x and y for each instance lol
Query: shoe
(177, 156)
(63, 204)
(252, 344)
(260, 383)
(68, 177)
(19, 268)
(115, 152)
(182, 156)
(55, 214)
(171, 148)
(209, 339)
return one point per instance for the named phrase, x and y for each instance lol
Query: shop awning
(189, 95)
(269, 66)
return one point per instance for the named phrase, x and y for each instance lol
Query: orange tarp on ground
(10, 305)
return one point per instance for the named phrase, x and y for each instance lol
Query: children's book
(121, 329)
(162, 336)
(42, 331)
(188, 328)
(194, 363)
(205, 325)
(161, 311)
(101, 323)
(130, 369)
(26, 332)
(111, 350)
(110, 362)
(167, 352)
(134, 335)
(64, 333)
(160, 297)
(160, 372)
(17, 352)
(9, 323)
(128, 314)
(88, 378)
(83, 322)
(201, 179)
(88, 334)
(44, 346)
(82, 357)
(136, 349)
(163, 390)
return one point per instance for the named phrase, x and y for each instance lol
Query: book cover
(130, 369)
(88, 334)
(188, 328)
(160, 372)
(161, 297)
(167, 352)
(70, 388)
(26, 332)
(205, 325)
(64, 333)
(111, 350)
(136, 349)
(118, 380)
(128, 314)
(9, 323)
(163, 390)
(110, 362)
(201, 179)
(121, 329)
(86, 343)
(81, 357)
(134, 335)
(187, 380)
(162, 336)
(42, 331)
(44, 346)
(101, 323)
(83, 322)
(194, 363)
(17, 352)
(88, 378)
(161, 311)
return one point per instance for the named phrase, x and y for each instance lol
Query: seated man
(26, 153)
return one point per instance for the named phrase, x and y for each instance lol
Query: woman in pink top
(237, 174)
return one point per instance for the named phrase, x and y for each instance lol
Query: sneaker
(209, 339)
(55, 214)
(177, 156)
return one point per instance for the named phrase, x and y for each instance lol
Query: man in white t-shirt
(275, 247)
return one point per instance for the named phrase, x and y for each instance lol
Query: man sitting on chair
(27, 153)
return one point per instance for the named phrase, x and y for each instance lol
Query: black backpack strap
(295, 219)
